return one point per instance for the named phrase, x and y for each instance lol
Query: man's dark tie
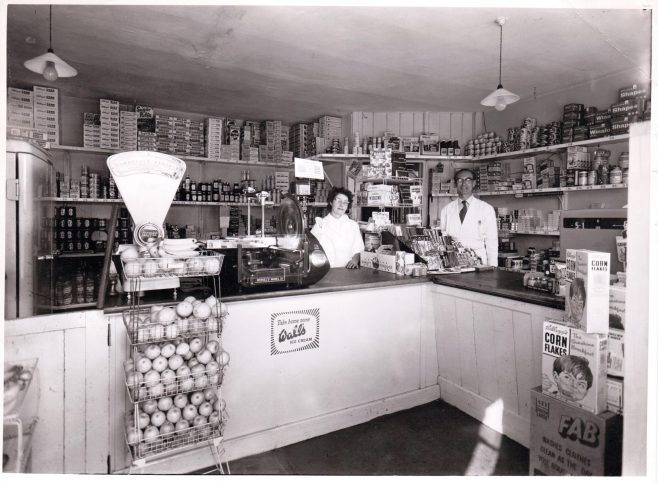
(462, 212)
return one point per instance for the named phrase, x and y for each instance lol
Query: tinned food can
(591, 177)
(582, 178)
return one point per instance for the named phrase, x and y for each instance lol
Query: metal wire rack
(175, 440)
(141, 330)
(203, 264)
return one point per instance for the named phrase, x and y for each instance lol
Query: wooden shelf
(554, 148)
(391, 180)
(198, 159)
(173, 203)
(530, 233)
(391, 206)
(59, 308)
(562, 189)
(409, 156)
(514, 154)
(80, 255)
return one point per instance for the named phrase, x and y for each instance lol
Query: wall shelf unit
(559, 190)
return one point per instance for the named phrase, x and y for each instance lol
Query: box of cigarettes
(574, 367)
(633, 91)
(616, 353)
(573, 107)
(565, 440)
(615, 402)
(20, 95)
(144, 112)
(587, 295)
(46, 93)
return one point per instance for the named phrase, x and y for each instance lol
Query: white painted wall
(450, 125)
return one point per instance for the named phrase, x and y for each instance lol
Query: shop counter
(367, 348)
(501, 283)
(336, 280)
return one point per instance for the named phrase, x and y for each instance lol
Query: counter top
(501, 283)
(338, 279)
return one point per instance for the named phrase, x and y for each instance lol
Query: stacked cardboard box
(231, 152)
(529, 176)
(565, 440)
(232, 131)
(270, 132)
(179, 135)
(146, 138)
(214, 137)
(285, 133)
(300, 140)
(110, 122)
(616, 348)
(20, 108)
(330, 128)
(91, 130)
(128, 130)
(46, 113)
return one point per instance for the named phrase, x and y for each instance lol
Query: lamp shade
(500, 97)
(38, 65)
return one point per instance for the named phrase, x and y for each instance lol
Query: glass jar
(623, 160)
(616, 175)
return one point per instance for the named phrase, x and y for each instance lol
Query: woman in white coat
(339, 236)
(471, 221)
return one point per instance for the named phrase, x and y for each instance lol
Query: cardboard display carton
(574, 366)
(617, 317)
(615, 361)
(565, 440)
(386, 260)
(615, 395)
(587, 297)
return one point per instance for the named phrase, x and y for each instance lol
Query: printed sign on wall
(294, 331)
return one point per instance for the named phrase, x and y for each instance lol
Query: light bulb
(500, 105)
(49, 72)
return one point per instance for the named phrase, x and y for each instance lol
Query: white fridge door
(28, 235)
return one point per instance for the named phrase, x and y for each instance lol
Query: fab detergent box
(587, 296)
(574, 367)
(565, 440)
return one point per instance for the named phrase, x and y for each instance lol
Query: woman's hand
(354, 262)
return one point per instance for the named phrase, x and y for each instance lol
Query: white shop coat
(479, 230)
(340, 238)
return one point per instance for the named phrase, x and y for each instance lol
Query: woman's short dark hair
(335, 191)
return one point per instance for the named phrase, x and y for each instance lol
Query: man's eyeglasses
(464, 180)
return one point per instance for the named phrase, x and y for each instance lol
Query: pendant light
(48, 64)
(500, 98)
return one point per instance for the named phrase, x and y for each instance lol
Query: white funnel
(147, 182)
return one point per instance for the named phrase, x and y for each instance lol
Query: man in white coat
(471, 221)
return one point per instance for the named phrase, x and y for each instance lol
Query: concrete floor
(432, 439)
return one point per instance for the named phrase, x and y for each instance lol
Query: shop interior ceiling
(294, 63)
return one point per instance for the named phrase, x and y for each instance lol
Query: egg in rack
(176, 361)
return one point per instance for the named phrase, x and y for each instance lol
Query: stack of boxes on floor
(34, 114)
(576, 426)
